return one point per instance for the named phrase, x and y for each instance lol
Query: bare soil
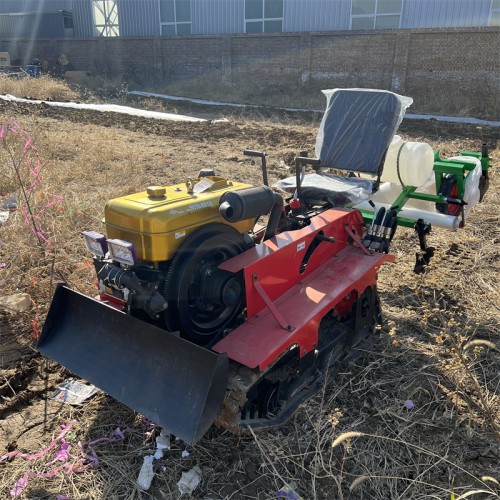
(445, 446)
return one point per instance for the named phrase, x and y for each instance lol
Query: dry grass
(357, 439)
(436, 100)
(45, 88)
(261, 95)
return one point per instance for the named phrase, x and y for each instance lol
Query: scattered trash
(70, 463)
(27, 456)
(288, 491)
(185, 454)
(409, 405)
(149, 428)
(16, 303)
(18, 488)
(146, 473)
(4, 215)
(162, 443)
(117, 435)
(74, 392)
(189, 481)
(9, 203)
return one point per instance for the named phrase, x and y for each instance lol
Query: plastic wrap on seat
(357, 128)
(339, 191)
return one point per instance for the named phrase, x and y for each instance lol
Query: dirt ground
(423, 404)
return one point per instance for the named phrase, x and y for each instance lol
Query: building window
(376, 14)
(495, 13)
(67, 19)
(263, 16)
(106, 18)
(175, 17)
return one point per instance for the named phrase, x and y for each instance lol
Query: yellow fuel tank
(159, 219)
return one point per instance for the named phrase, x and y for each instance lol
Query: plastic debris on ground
(74, 392)
(185, 454)
(4, 215)
(189, 481)
(288, 491)
(64, 457)
(409, 405)
(162, 443)
(146, 474)
(8, 203)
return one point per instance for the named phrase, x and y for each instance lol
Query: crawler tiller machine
(205, 316)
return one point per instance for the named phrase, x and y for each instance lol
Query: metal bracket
(270, 305)
(426, 253)
(366, 316)
(357, 240)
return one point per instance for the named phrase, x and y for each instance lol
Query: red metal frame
(111, 301)
(285, 305)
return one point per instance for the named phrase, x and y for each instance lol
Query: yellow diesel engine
(160, 256)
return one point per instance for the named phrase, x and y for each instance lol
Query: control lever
(262, 156)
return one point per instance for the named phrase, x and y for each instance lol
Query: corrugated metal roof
(141, 17)
(316, 15)
(217, 16)
(445, 13)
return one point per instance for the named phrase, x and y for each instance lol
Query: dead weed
(418, 417)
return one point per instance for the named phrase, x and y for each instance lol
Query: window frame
(374, 15)
(176, 23)
(494, 12)
(262, 20)
(107, 29)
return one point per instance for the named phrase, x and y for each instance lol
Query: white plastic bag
(146, 473)
(189, 481)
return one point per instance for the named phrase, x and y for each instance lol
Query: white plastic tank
(416, 161)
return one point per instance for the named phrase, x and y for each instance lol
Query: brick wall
(461, 66)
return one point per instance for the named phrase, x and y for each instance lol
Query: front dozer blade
(176, 384)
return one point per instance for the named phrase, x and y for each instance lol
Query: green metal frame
(460, 169)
